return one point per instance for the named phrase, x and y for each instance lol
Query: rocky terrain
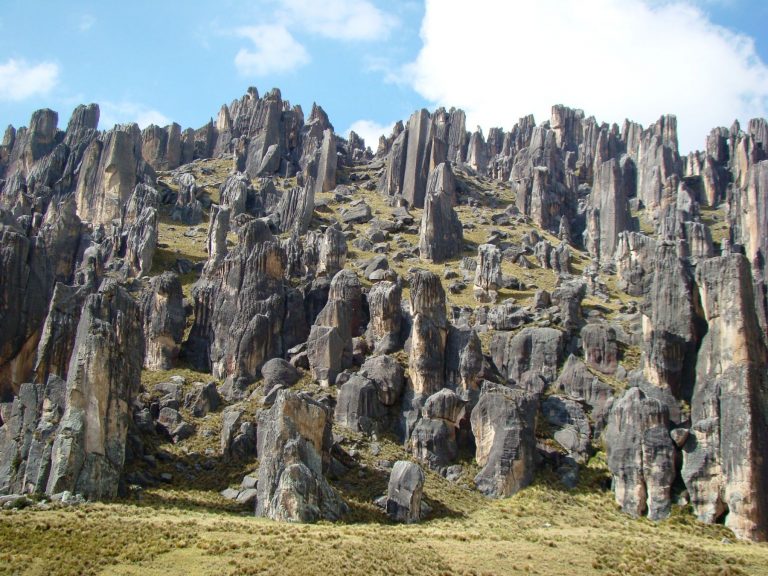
(264, 317)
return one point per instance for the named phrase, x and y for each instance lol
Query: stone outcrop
(723, 464)
(503, 423)
(641, 455)
(245, 312)
(404, 492)
(294, 445)
(488, 277)
(433, 440)
(537, 350)
(161, 147)
(88, 454)
(426, 363)
(383, 332)
(164, 321)
(440, 236)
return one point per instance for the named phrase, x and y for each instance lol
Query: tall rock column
(724, 459)
(103, 379)
(428, 334)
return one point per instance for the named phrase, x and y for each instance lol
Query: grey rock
(278, 372)
(404, 492)
(388, 376)
(641, 455)
(503, 424)
(358, 406)
(294, 452)
(164, 321)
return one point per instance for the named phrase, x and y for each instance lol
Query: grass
(542, 530)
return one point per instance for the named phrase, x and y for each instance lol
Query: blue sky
(369, 62)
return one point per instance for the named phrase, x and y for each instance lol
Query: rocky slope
(502, 307)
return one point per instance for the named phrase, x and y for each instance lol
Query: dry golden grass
(542, 530)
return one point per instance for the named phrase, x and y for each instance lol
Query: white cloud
(20, 80)
(612, 58)
(370, 131)
(87, 21)
(126, 112)
(276, 51)
(340, 19)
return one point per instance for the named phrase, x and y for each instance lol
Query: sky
(369, 63)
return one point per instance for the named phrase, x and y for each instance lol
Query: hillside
(454, 354)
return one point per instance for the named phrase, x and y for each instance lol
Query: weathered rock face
(238, 435)
(433, 440)
(386, 317)
(29, 270)
(357, 405)
(161, 147)
(234, 194)
(103, 380)
(111, 167)
(137, 236)
(440, 236)
(570, 426)
(635, 255)
(428, 333)
(296, 208)
(244, 314)
(503, 422)
(723, 464)
(671, 332)
(610, 212)
(27, 436)
(342, 318)
(464, 362)
(748, 215)
(387, 375)
(581, 385)
(58, 335)
(537, 350)
(417, 167)
(568, 297)
(488, 277)
(641, 455)
(188, 208)
(658, 161)
(164, 321)
(333, 252)
(404, 492)
(294, 443)
(601, 350)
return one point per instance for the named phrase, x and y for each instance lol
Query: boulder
(358, 406)
(404, 492)
(388, 376)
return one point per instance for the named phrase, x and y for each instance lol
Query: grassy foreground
(542, 530)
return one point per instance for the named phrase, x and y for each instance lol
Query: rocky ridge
(521, 302)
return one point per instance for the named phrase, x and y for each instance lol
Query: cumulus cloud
(274, 51)
(126, 112)
(612, 58)
(370, 131)
(20, 80)
(340, 19)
